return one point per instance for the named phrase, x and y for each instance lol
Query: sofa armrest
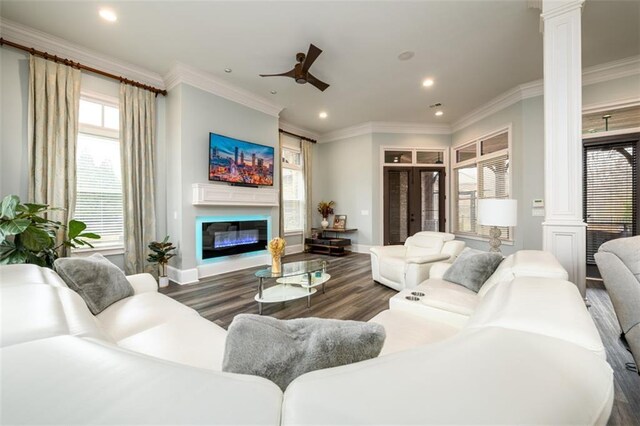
(438, 269)
(143, 283)
(397, 251)
(453, 249)
(430, 258)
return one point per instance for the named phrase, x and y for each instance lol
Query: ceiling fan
(300, 71)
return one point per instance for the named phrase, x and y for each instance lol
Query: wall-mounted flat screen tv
(240, 162)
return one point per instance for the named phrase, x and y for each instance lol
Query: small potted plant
(160, 254)
(325, 209)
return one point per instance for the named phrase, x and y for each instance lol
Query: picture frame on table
(340, 221)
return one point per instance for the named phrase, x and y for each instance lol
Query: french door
(611, 202)
(414, 201)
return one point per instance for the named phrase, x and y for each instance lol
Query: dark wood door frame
(414, 199)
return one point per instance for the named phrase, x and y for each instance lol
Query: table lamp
(497, 212)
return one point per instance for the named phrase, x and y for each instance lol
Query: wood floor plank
(351, 294)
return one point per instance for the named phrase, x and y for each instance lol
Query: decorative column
(564, 231)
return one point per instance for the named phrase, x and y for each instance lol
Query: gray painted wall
(195, 113)
(342, 173)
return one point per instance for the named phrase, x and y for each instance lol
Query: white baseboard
(360, 248)
(293, 249)
(233, 263)
(182, 276)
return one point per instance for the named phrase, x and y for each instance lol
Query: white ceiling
(474, 50)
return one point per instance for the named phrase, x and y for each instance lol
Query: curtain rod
(80, 66)
(304, 138)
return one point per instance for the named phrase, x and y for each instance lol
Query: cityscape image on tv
(235, 161)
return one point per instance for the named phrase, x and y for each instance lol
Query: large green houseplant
(26, 236)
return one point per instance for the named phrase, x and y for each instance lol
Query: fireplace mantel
(208, 194)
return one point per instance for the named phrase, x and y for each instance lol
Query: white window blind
(98, 173)
(484, 173)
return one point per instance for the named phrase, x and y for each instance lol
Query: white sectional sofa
(528, 353)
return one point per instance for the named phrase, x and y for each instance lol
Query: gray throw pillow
(472, 268)
(281, 350)
(98, 281)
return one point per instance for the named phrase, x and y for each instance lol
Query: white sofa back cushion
(546, 306)
(426, 243)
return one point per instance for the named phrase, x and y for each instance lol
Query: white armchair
(406, 266)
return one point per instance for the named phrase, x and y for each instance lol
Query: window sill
(105, 251)
(478, 238)
(292, 233)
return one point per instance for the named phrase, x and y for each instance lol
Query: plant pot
(163, 281)
(324, 223)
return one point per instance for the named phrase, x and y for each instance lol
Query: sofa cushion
(281, 350)
(503, 272)
(140, 312)
(546, 306)
(426, 243)
(99, 282)
(406, 331)
(472, 268)
(537, 263)
(628, 250)
(392, 268)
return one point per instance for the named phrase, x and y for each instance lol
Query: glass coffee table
(295, 281)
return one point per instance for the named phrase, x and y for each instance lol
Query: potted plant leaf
(27, 236)
(161, 252)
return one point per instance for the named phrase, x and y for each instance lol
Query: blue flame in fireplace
(235, 238)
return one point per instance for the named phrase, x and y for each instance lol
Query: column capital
(554, 8)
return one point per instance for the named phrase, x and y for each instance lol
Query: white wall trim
(611, 70)
(293, 249)
(185, 74)
(40, 40)
(361, 248)
(182, 276)
(233, 263)
(617, 104)
(385, 127)
(288, 127)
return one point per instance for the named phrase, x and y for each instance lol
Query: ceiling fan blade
(312, 55)
(291, 74)
(321, 85)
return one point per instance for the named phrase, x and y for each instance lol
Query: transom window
(482, 169)
(98, 172)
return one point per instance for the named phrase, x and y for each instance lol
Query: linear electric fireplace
(220, 237)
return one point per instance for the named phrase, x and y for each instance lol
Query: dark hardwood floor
(352, 294)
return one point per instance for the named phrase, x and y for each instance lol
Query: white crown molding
(385, 127)
(508, 98)
(410, 128)
(347, 132)
(288, 127)
(615, 104)
(611, 70)
(552, 9)
(185, 74)
(39, 40)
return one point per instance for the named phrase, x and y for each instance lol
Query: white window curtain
(54, 99)
(307, 158)
(137, 133)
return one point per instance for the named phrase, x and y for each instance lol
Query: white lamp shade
(497, 212)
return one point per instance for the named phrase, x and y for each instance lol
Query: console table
(333, 245)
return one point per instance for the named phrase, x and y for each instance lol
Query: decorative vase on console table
(325, 208)
(276, 248)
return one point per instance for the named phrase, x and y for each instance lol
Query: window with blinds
(98, 173)
(610, 193)
(481, 170)
(293, 208)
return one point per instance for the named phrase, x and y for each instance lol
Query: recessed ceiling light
(273, 92)
(227, 70)
(108, 15)
(322, 115)
(439, 113)
(428, 82)
(406, 55)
